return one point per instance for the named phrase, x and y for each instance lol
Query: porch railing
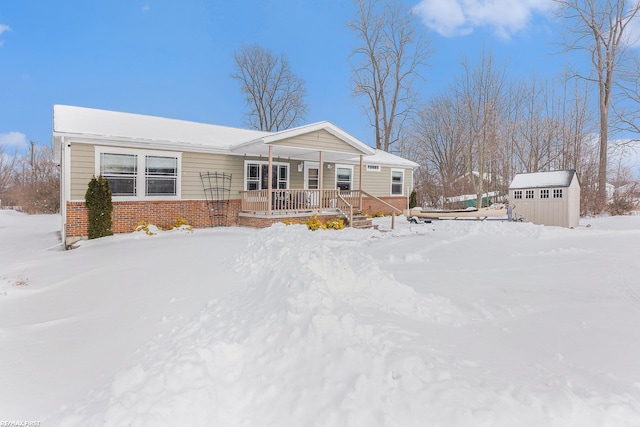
(283, 201)
(289, 200)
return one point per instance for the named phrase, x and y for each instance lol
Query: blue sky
(174, 59)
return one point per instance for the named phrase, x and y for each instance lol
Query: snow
(89, 121)
(542, 179)
(453, 323)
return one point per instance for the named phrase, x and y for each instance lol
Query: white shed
(548, 198)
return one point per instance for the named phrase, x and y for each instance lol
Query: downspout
(65, 185)
(269, 186)
(321, 181)
(360, 183)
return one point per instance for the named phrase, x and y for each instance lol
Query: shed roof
(543, 179)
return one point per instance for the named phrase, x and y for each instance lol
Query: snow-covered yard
(454, 323)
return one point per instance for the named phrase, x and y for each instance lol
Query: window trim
(141, 171)
(529, 194)
(544, 193)
(517, 194)
(557, 193)
(266, 162)
(401, 184)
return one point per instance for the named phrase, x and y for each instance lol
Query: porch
(285, 203)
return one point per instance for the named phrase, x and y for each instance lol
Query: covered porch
(322, 185)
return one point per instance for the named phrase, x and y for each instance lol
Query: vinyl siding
(82, 169)
(379, 183)
(319, 140)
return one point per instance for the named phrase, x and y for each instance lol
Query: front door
(312, 182)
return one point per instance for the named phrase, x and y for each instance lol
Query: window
(517, 194)
(121, 172)
(139, 173)
(544, 194)
(528, 194)
(373, 168)
(344, 175)
(397, 180)
(257, 175)
(161, 175)
(557, 193)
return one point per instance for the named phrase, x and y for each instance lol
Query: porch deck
(293, 202)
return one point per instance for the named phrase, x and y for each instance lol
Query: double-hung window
(344, 177)
(139, 173)
(397, 182)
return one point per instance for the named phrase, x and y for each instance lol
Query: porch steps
(361, 220)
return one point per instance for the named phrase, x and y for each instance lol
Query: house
(548, 198)
(161, 169)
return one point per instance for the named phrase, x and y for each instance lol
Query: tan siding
(379, 183)
(82, 169)
(195, 163)
(319, 140)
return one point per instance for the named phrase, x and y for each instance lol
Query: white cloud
(146, 8)
(3, 28)
(13, 139)
(458, 17)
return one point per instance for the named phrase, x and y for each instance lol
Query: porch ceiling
(295, 153)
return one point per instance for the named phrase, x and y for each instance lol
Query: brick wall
(127, 215)
(372, 206)
(163, 213)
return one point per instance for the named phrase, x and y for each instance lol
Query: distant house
(548, 198)
(161, 169)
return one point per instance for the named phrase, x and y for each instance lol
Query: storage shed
(548, 198)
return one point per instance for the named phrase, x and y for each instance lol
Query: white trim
(337, 165)
(140, 174)
(401, 184)
(307, 166)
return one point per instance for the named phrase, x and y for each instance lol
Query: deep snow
(454, 323)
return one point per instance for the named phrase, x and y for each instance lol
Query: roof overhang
(260, 146)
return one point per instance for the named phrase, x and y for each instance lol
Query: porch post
(360, 183)
(269, 177)
(321, 181)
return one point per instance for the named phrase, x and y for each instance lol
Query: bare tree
(601, 28)
(6, 171)
(386, 65)
(437, 135)
(481, 91)
(274, 95)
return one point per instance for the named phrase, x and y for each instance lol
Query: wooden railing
(290, 200)
(295, 200)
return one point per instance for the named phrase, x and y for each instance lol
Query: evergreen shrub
(99, 207)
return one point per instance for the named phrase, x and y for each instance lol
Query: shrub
(335, 224)
(620, 206)
(99, 207)
(413, 199)
(182, 224)
(148, 228)
(314, 223)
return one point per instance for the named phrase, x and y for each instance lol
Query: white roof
(95, 123)
(88, 121)
(543, 179)
(382, 157)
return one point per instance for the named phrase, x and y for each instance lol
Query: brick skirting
(163, 213)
